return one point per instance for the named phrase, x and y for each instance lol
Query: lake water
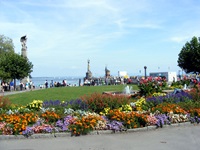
(73, 81)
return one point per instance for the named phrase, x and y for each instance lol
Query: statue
(88, 73)
(88, 65)
(23, 42)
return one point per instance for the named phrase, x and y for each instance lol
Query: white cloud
(179, 39)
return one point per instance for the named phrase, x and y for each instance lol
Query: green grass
(62, 93)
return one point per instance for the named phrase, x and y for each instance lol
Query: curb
(97, 132)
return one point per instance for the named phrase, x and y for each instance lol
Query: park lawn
(63, 93)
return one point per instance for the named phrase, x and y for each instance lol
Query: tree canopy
(14, 66)
(6, 44)
(189, 56)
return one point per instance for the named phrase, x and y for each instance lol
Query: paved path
(16, 92)
(167, 138)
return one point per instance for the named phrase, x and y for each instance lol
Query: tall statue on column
(23, 40)
(88, 65)
(88, 73)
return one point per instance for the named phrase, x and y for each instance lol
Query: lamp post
(179, 74)
(145, 72)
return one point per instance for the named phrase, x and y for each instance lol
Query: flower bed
(97, 112)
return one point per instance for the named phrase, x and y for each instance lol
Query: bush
(170, 98)
(4, 102)
(97, 102)
(78, 104)
(151, 85)
(195, 93)
(128, 119)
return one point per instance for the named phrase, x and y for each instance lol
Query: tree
(14, 66)
(6, 44)
(189, 57)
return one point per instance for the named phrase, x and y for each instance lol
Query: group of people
(54, 84)
(7, 86)
(27, 86)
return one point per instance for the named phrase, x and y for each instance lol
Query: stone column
(23, 40)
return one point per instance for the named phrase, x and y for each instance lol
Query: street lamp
(179, 74)
(145, 72)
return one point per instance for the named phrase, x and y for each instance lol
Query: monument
(23, 40)
(88, 73)
(88, 78)
(107, 72)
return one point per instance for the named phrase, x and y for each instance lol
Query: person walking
(21, 85)
(2, 87)
(31, 85)
(27, 86)
(11, 86)
(46, 84)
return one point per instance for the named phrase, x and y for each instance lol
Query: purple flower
(29, 131)
(63, 124)
(162, 119)
(115, 125)
(170, 98)
(78, 104)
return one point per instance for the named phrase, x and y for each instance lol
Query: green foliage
(97, 102)
(14, 66)
(6, 45)
(195, 93)
(35, 105)
(179, 84)
(5, 103)
(151, 85)
(189, 57)
(190, 104)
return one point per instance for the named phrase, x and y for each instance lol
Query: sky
(122, 35)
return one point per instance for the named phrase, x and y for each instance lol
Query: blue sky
(124, 35)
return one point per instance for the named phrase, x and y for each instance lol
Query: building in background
(123, 74)
(170, 76)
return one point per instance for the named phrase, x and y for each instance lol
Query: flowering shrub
(78, 104)
(115, 126)
(162, 119)
(44, 128)
(84, 125)
(151, 120)
(181, 83)
(170, 98)
(53, 103)
(105, 111)
(195, 93)
(165, 108)
(129, 119)
(177, 118)
(4, 102)
(35, 105)
(158, 94)
(140, 104)
(151, 85)
(97, 102)
(195, 112)
(16, 123)
(126, 108)
(50, 116)
(63, 124)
